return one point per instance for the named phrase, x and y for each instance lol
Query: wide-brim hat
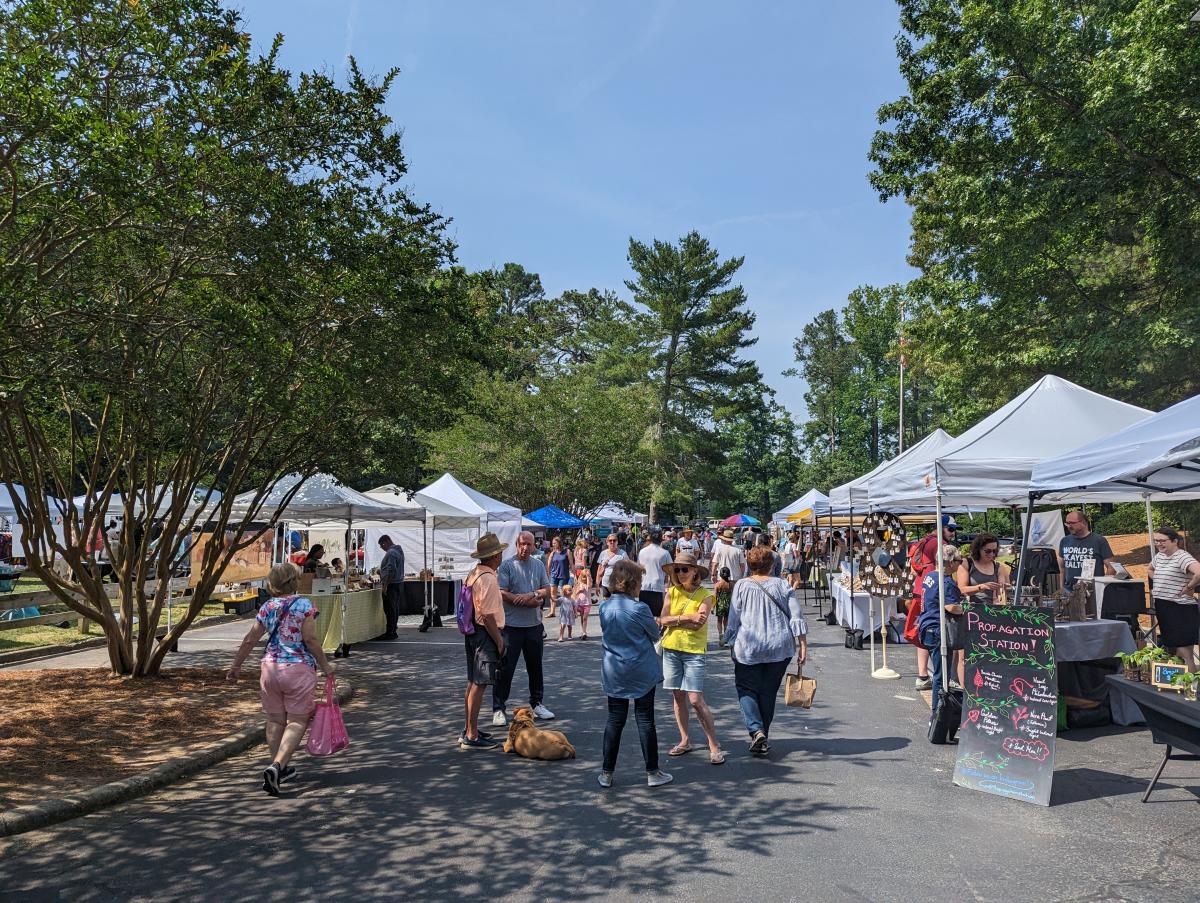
(489, 544)
(687, 560)
(728, 533)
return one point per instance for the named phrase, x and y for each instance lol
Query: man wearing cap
(924, 559)
(485, 647)
(525, 586)
(655, 560)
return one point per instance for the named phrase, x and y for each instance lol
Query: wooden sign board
(1010, 703)
(1161, 674)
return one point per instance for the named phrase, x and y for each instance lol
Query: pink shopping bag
(328, 733)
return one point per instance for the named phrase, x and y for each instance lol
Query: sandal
(681, 749)
(717, 758)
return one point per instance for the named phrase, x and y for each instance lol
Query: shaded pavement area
(853, 805)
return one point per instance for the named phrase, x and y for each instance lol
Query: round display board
(884, 558)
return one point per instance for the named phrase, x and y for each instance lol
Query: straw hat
(686, 560)
(489, 544)
(728, 533)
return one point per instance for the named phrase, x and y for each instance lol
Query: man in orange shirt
(485, 647)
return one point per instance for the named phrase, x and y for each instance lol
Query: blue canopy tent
(553, 516)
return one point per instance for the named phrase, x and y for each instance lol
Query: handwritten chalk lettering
(1030, 749)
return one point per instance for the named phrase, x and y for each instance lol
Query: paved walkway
(854, 805)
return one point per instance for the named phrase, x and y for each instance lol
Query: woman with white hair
(288, 671)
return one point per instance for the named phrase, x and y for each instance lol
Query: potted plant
(1129, 665)
(1146, 656)
(1190, 681)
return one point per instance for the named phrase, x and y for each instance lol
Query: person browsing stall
(981, 576)
(524, 586)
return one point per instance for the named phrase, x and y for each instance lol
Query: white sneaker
(498, 718)
(604, 779)
(541, 713)
(658, 778)
(923, 683)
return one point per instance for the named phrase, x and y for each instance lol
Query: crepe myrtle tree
(207, 266)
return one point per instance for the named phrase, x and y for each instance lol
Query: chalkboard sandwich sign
(1010, 703)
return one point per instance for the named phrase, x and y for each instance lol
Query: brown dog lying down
(527, 739)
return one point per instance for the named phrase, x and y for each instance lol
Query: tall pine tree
(695, 321)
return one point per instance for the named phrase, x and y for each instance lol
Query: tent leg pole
(1150, 527)
(1024, 546)
(941, 570)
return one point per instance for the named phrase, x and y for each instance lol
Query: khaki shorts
(287, 689)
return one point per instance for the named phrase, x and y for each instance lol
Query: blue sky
(553, 131)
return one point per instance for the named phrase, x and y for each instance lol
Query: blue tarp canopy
(553, 516)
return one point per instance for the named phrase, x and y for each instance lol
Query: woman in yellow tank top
(685, 647)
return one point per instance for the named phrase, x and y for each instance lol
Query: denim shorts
(683, 670)
(560, 582)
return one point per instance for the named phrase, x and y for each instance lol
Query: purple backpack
(464, 610)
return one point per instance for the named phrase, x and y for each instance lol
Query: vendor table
(412, 601)
(361, 613)
(854, 609)
(1093, 642)
(1085, 641)
(1173, 720)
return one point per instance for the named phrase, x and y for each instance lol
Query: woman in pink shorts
(289, 669)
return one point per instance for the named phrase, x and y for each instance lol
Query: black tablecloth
(1172, 719)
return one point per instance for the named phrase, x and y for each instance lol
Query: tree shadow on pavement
(404, 813)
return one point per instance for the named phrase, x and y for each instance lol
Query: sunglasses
(990, 551)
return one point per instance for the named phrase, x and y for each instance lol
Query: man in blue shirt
(525, 587)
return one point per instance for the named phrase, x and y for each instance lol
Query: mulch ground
(63, 731)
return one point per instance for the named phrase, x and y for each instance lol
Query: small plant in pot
(1190, 681)
(1129, 665)
(1146, 657)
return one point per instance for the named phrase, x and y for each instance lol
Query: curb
(16, 656)
(41, 815)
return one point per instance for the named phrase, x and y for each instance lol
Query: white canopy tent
(491, 515)
(323, 498)
(1154, 459)
(614, 512)
(855, 494)
(992, 462)
(813, 502)
(442, 543)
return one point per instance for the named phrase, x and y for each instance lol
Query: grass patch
(48, 635)
(41, 635)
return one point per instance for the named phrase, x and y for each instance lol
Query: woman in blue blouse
(630, 670)
(766, 628)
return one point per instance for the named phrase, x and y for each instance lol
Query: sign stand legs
(884, 673)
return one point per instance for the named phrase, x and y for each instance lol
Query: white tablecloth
(854, 609)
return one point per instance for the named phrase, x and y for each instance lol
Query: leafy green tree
(210, 271)
(762, 456)
(569, 440)
(1049, 152)
(695, 322)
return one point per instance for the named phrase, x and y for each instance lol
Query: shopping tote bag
(328, 733)
(799, 690)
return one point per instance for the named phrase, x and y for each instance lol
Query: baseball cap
(948, 521)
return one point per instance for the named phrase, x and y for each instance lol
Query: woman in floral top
(288, 671)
